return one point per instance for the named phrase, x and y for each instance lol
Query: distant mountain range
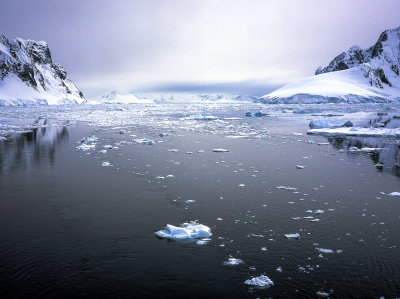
(358, 75)
(28, 75)
(185, 97)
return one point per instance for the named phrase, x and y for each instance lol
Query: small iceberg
(143, 141)
(191, 230)
(233, 262)
(292, 236)
(261, 281)
(85, 147)
(394, 194)
(329, 123)
(91, 139)
(324, 250)
(220, 150)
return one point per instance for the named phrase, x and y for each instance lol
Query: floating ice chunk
(108, 146)
(220, 150)
(300, 167)
(292, 236)
(324, 250)
(170, 176)
(322, 294)
(143, 141)
(189, 153)
(353, 149)
(323, 143)
(297, 134)
(319, 212)
(122, 131)
(190, 201)
(220, 219)
(91, 139)
(105, 164)
(241, 185)
(362, 132)
(310, 141)
(85, 147)
(203, 241)
(233, 262)
(173, 150)
(315, 220)
(394, 194)
(199, 117)
(279, 269)
(200, 151)
(103, 151)
(191, 230)
(329, 123)
(264, 248)
(261, 281)
(286, 188)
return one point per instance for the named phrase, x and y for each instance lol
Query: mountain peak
(28, 74)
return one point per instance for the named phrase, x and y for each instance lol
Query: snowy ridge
(28, 75)
(369, 75)
(185, 97)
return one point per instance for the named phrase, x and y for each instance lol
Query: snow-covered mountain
(28, 75)
(185, 97)
(358, 75)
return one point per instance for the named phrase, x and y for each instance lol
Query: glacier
(355, 76)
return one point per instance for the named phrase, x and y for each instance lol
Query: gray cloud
(137, 45)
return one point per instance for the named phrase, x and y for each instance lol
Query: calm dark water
(72, 228)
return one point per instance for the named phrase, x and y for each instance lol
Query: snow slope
(28, 75)
(369, 75)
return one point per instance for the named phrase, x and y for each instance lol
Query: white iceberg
(220, 150)
(292, 236)
(394, 194)
(352, 131)
(143, 141)
(191, 230)
(329, 123)
(233, 262)
(85, 147)
(324, 250)
(261, 281)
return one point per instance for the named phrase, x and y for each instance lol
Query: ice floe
(260, 281)
(233, 262)
(190, 230)
(353, 131)
(220, 150)
(329, 123)
(85, 147)
(293, 236)
(394, 194)
(324, 250)
(143, 141)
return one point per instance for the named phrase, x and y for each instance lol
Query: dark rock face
(379, 62)
(32, 63)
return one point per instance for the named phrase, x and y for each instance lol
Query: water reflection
(384, 152)
(31, 149)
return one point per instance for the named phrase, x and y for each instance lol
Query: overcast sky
(243, 47)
